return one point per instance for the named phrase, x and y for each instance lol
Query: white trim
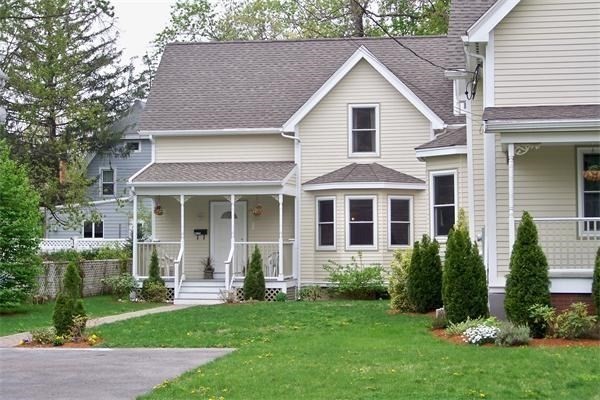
(373, 199)
(489, 74)
(570, 285)
(363, 185)
(289, 176)
(93, 229)
(479, 31)
(352, 154)
(580, 184)
(410, 222)
(511, 196)
(113, 200)
(362, 54)
(432, 175)
(534, 125)
(318, 199)
(130, 181)
(489, 182)
(543, 137)
(470, 169)
(442, 151)
(212, 132)
(114, 182)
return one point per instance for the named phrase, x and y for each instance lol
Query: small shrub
(254, 281)
(43, 335)
(481, 334)
(59, 340)
(596, 284)
(511, 335)
(424, 281)
(356, 280)
(574, 323)
(399, 300)
(77, 329)
(228, 296)
(311, 293)
(456, 329)
(68, 302)
(121, 285)
(281, 297)
(540, 320)
(154, 292)
(439, 322)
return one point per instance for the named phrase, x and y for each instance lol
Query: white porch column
(511, 195)
(182, 233)
(280, 261)
(134, 266)
(229, 267)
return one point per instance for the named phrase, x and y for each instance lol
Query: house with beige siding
(319, 150)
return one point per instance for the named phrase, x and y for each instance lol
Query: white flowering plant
(481, 334)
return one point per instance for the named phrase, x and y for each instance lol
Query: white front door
(220, 232)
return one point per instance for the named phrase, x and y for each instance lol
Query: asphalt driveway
(103, 374)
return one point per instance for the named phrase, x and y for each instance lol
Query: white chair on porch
(273, 264)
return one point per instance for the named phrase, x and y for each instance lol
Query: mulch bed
(68, 345)
(547, 342)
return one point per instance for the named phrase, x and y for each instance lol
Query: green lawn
(40, 315)
(349, 350)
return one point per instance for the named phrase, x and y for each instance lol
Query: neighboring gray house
(109, 192)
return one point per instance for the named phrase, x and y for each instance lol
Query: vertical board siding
(548, 52)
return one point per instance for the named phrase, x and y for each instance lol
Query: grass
(40, 315)
(348, 350)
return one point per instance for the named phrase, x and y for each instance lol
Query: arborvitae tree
(154, 279)
(399, 300)
(596, 284)
(254, 282)
(68, 302)
(527, 283)
(424, 283)
(464, 282)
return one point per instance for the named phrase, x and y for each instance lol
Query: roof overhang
(441, 151)
(360, 54)
(537, 125)
(212, 132)
(364, 185)
(480, 30)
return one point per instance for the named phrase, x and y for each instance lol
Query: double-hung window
(93, 230)
(107, 182)
(363, 130)
(326, 223)
(589, 189)
(443, 201)
(361, 226)
(399, 221)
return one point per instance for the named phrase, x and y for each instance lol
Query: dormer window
(363, 130)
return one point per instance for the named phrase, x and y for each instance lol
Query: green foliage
(424, 281)
(254, 282)
(399, 300)
(121, 285)
(311, 293)
(464, 281)
(541, 318)
(527, 283)
(151, 287)
(20, 232)
(456, 329)
(103, 253)
(512, 335)
(281, 297)
(43, 335)
(439, 322)
(356, 280)
(68, 302)
(596, 284)
(574, 323)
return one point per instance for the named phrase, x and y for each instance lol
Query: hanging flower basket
(158, 210)
(592, 174)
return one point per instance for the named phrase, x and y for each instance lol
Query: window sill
(364, 155)
(361, 248)
(326, 249)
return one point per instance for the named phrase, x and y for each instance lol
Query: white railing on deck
(270, 256)
(569, 243)
(229, 275)
(179, 273)
(168, 253)
(52, 245)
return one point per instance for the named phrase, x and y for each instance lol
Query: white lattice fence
(52, 245)
(270, 293)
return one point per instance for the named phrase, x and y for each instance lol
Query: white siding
(548, 52)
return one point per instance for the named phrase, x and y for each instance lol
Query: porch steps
(201, 292)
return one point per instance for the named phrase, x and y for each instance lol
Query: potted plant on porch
(592, 174)
(209, 270)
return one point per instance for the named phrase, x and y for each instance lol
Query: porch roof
(447, 138)
(356, 176)
(547, 113)
(243, 173)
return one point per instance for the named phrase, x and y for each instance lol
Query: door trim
(211, 221)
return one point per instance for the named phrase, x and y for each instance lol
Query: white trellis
(52, 245)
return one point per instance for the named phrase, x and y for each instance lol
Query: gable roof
(453, 137)
(261, 84)
(371, 174)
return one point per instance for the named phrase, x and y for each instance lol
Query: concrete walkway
(14, 340)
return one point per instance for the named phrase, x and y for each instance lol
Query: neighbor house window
(589, 187)
(364, 130)
(443, 201)
(134, 147)
(93, 230)
(361, 226)
(326, 223)
(107, 182)
(399, 220)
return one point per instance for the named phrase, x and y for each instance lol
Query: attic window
(363, 130)
(134, 147)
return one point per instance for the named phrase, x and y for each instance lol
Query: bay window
(361, 227)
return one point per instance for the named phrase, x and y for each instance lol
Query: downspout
(297, 200)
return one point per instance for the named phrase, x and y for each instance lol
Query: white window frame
(580, 194)
(139, 150)
(375, 153)
(410, 222)
(317, 223)
(93, 230)
(102, 169)
(373, 198)
(432, 175)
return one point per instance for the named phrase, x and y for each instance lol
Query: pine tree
(527, 283)
(254, 282)
(596, 284)
(68, 302)
(424, 283)
(464, 282)
(153, 288)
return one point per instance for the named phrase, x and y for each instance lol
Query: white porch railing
(179, 272)
(270, 256)
(52, 245)
(168, 253)
(569, 243)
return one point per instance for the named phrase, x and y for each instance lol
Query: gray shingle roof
(448, 138)
(260, 84)
(372, 173)
(264, 171)
(587, 111)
